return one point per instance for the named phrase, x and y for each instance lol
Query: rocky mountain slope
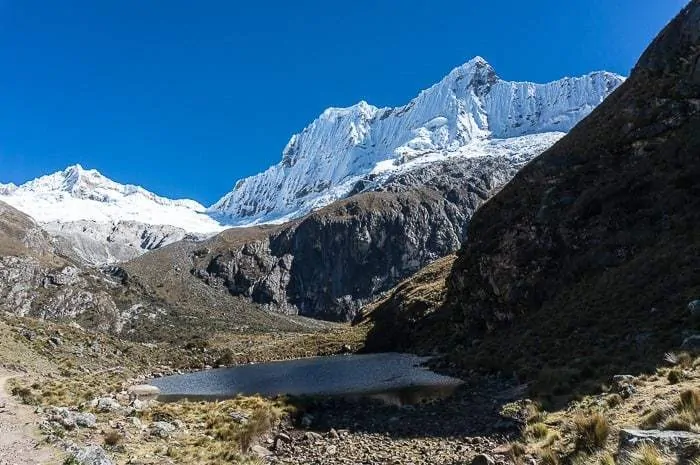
(327, 264)
(37, 280)
(470, 113)
(587, 260)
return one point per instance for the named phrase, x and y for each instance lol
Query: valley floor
(78, 383)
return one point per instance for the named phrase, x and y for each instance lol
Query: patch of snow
(77, 194)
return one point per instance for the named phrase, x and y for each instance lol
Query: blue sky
(186, 97)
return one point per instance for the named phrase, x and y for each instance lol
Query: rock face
(329, 263)
(471, 112)
(598, 230)
(107, 243)
(35, 280)
(677, 444)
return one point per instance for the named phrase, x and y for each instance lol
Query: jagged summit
(460, 115)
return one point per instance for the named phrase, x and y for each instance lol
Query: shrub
(112, 438)
(606, 459)
(675, 376)
(536, 431)
(591, 430)
(613, 400)
(259, 423)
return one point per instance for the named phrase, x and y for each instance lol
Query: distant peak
(361, 108)
(478, 60)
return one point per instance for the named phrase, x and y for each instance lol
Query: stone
(691, 342)
(107, 404)
(239, 417)
(694, 307)
(674, 442)
(622, 384)
(85, 420)
(139, 405)
(143, 392)
(333, 434)
(312, 437)
(260, 451)
(162, 429)
(280, 439)
(307, 420)
(483, 459)
(91, 455)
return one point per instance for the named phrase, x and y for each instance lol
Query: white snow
(471, 112)
(76, 194)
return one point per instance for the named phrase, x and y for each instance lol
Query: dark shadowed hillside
(589, 257)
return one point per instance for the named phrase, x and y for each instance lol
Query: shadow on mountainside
(583, 266)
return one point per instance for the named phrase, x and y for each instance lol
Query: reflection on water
(393, 378)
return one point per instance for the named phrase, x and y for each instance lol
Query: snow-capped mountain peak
(466, 113)
(78, 194)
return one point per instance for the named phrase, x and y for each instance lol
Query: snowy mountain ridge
(463, 114)
(77, 194)
(469, 113)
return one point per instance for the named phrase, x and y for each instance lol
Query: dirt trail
(19, 443)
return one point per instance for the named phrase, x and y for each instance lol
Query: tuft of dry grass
(591, 431)
(515, 452)
(684, 415)
(548, 457)
(675, 376)
(646, 454)
(613, 400)
(113, 438)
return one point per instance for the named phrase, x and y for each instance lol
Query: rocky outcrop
(35, 280)
(329, 263)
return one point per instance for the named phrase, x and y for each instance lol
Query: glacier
(471, 112)
(77, 194)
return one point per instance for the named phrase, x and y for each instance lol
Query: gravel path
(19, 444)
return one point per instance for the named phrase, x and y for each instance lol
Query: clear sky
(186, 97)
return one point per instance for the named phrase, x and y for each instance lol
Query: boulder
(694, 307)
(483, 459)
(260, 451)
(91, 455)
(85, 420)
(143, 392)
(671, 442)
(162, 429)
(107, 404)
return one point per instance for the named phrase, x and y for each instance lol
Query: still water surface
(394, 377)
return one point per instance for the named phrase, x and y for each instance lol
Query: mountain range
(471, 113)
